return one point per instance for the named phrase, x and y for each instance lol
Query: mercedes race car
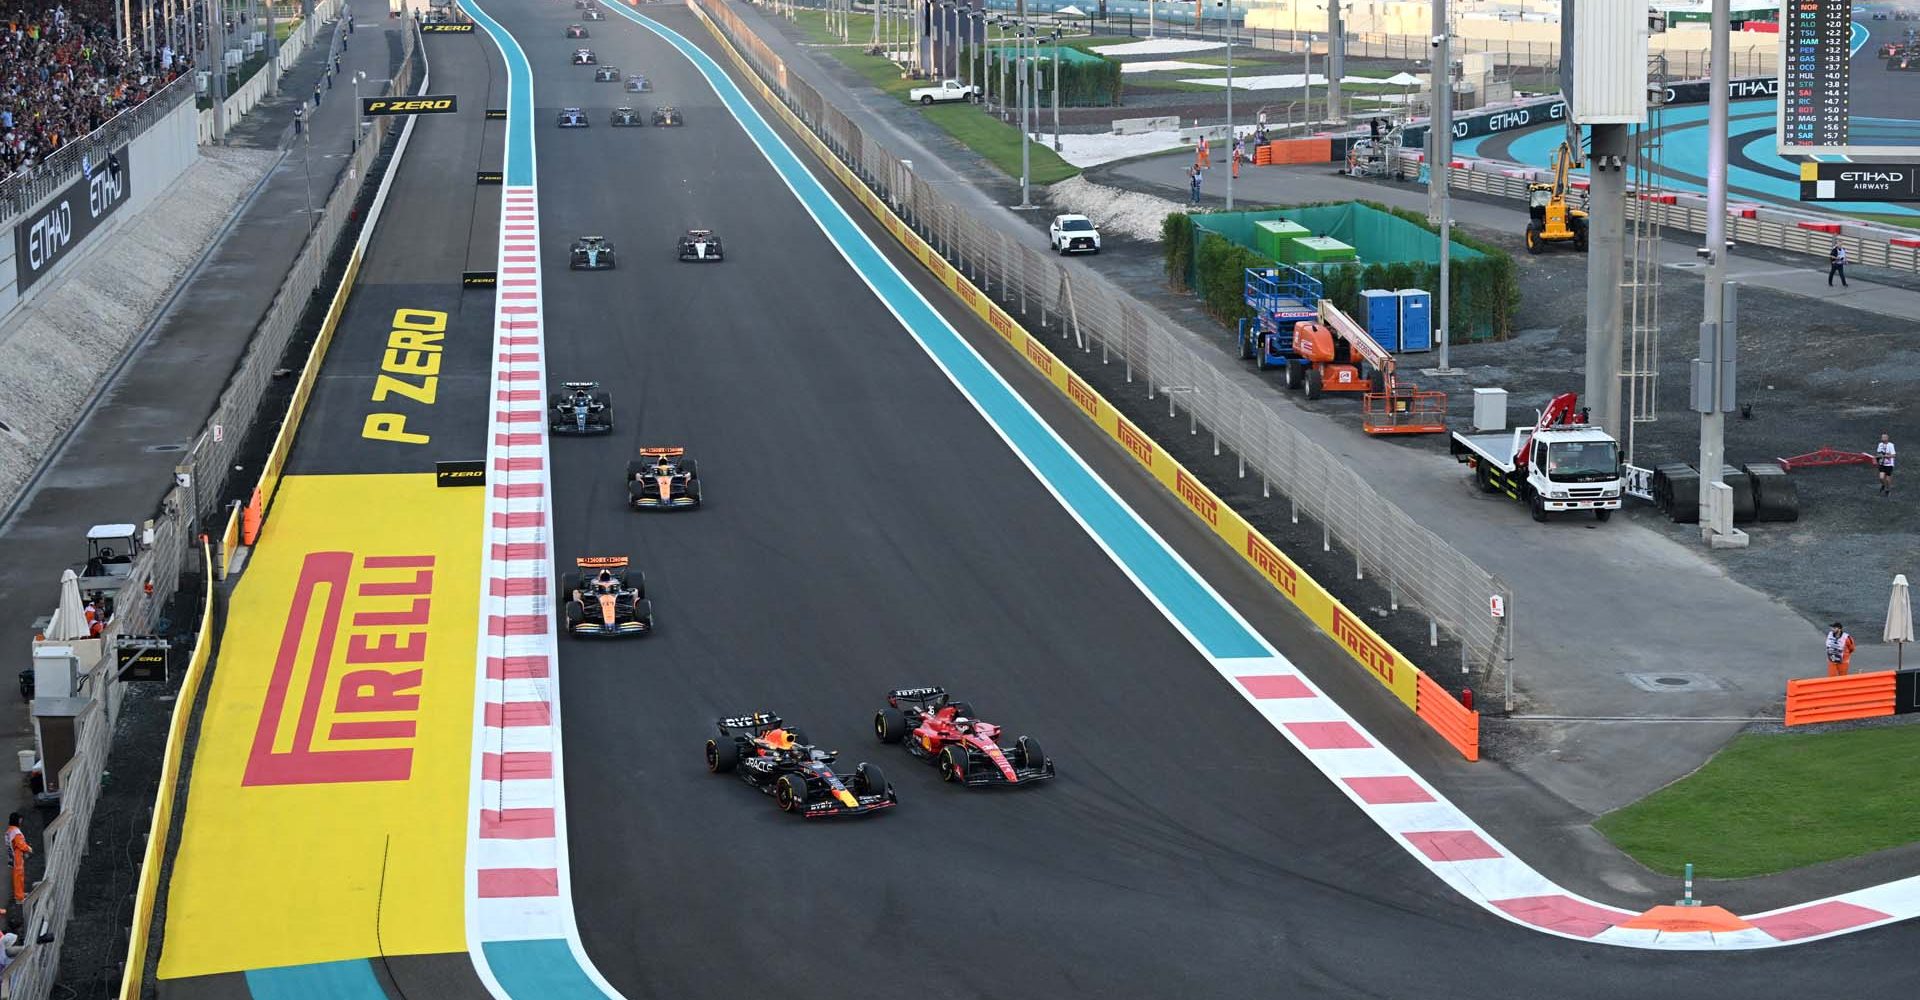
(667, 114)
(606, 599)
(626, 118)
(637, 83)
(663, 478)
(607, 74)
(936, 728)
(582, 409)
(584, 57)
(573, 118)
(700, 244)
(595, 14)
(779, 761)
(577, 31)
(591, 253)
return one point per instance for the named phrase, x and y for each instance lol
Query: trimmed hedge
(1485, 290)
(1220, 278)
(1082, 84)
(1176, 234)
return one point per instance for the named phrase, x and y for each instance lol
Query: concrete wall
(157, 157)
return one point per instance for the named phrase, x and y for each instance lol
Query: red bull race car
(606, 599)
(940, 730)
(777, 759)
(663, 478)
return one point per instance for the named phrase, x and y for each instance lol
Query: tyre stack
(1775, 497)
(1762, 491)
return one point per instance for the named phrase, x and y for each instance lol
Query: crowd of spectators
(63, 74)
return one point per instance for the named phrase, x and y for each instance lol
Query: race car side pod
(250, 518)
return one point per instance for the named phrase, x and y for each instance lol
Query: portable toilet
(1380, 311)
(1416, 319)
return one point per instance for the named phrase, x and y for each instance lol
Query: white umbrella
(1899, 619)
(70, 619)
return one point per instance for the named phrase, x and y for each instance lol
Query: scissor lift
(1280, 297)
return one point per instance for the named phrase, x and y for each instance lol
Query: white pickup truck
(946, 90)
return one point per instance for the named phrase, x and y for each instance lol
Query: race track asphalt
(865, 529)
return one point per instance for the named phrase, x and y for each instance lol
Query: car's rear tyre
(889, 726)
(926, 101)
(569, 582)
(555, 401)
(953, 763)
(638, 581)
(635, 468)
(790, 793)
(868, 779)
(722, 755)
(690, 467)
(1030, 752)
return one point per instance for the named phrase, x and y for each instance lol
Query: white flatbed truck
(1559, 464)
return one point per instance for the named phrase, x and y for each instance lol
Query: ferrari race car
(938, 729)
(582, 409)
(607, 74)
(606, 599)
(573, 118)
(626, 118)
(591, 253)
(595, 14)
(584, 57)
(780, 762)
(576, 31)
(667, 114)
(700, 244)
(637, 83)
(663, 478)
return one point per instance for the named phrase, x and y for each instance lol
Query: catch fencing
(197, 501)
(1417, 567)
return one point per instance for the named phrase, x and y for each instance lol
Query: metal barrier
(25, 189)
(176, 536)
(1780, 228)
(1417, 567)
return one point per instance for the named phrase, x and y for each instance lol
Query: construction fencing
(175, 549)
(1417, 567)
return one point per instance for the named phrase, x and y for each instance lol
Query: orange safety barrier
(1836, 699)
(1300, 151)
(1405, 411)
(250, 518)
(1262, 155)
(1456, 723)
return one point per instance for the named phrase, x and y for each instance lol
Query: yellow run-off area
(327, 811)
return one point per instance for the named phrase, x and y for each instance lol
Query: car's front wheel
(953, 763)
(791, 793)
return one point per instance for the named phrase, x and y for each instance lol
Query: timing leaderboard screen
(1850, 77)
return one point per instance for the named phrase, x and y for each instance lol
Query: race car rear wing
(754, 720)
(597, 562)
(579, 385)
(916, 694)
(663, 451)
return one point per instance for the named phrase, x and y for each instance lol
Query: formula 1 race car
(584, 57)
(607, 74)
(582, 409)
(573, 118)
(938, 729)
(595, 14)
(626, 118)
(591, 253)
(663, 478)
(780, 762)
(637, 83)
(667, 114)
(577, 31)
(606, 599)
(1907, 60)
(700, 244)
